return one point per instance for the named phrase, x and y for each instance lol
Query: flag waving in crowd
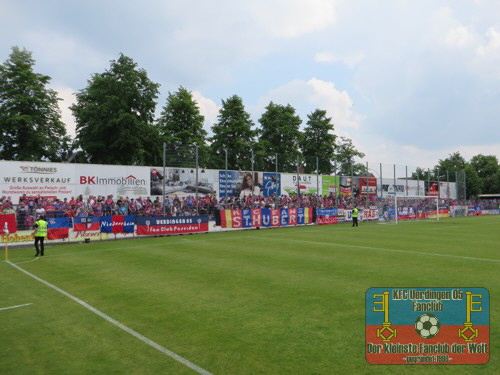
(86, 223)
(117, 224)
(58, 228)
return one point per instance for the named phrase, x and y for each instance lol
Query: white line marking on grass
(14, 307)
(28, 261)
(380, 249)
(116, 323)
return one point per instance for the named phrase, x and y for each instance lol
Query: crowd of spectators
(29, 208)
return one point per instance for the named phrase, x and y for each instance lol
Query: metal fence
(184, 185)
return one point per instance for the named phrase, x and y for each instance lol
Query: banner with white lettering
(164, 225)
(117, 224)
(327, 216)
(265, 217)
(427, 326)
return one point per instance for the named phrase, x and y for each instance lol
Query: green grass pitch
(281, 301)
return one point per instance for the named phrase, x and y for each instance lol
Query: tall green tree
(181, 128)
(115, 116)
(420, 174)
(279, 134)
(232, 132)
(318, 143)
(30, 117)
(488, 170)
(473, 182)
(345, 159)
(449, 167)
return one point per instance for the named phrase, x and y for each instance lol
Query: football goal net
(409, 208)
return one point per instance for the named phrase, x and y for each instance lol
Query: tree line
(116, 124)
(479, 175)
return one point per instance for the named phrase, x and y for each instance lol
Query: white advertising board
(32, 179)
(308, 184)
(63, 180)
(116, 180)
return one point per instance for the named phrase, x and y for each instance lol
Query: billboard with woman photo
(240, 183)
(243, 183)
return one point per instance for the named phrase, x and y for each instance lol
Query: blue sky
(410, 82)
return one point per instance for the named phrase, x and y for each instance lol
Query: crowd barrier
(80, 229)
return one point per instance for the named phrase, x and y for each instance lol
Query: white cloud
(337, 103)
(72, 59)
(492, 47)
(325, 57)
(208, 108)
(63, 49)
(67, 96)
(351, 60)
(212, 37)
(460, 36)
(316, 94)
(291, 18)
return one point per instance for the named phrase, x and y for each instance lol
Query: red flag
(86, 223)
(58, 228)
(57, 233)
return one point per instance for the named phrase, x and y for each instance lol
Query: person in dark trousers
(355, 213)
(40, 233)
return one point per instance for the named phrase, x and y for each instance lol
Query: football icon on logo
(427, 326)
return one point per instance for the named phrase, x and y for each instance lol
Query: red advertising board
(326, 220)
(171, 225)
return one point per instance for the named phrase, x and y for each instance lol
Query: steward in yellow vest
(355, 212)
(40, 233)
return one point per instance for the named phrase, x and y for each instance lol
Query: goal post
(409, 208)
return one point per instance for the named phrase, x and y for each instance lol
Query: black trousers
(39, 251)
(354, 221)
